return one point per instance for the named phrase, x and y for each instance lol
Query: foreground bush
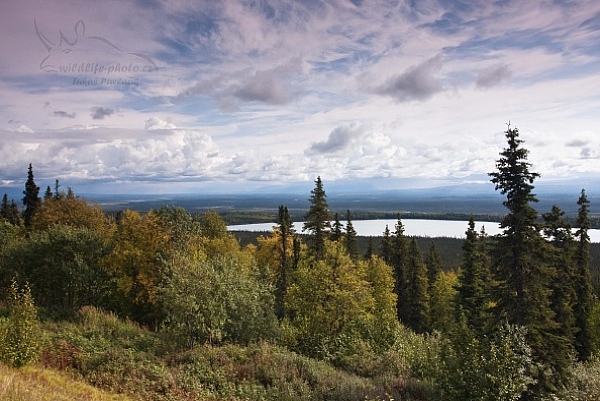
(20, 332)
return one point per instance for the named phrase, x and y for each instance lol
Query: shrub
(20, 332)
(482, 368)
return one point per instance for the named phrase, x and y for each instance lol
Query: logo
(92, 60)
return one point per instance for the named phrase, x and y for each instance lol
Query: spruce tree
(317, 220)
(337, 229)
(398, 261)
(385, 250)
(584, 301)
(10, 211)
(560, 255)
(286, 230)
(416, 304)
(370, 251)
(472, 301)
(523, 293)
(4, 207)
(434, 264)
(351, 240)
(31, 200)
(48, 193)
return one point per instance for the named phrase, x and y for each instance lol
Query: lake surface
(417, 227)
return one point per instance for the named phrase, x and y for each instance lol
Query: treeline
(514, 321)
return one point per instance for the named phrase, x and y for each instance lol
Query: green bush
(585, 382)
(20, 332)
(482, 368)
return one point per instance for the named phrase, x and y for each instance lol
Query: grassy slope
(39, 384)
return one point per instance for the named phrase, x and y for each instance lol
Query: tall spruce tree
(399, 261)
(4, 208)
(317, 220)
(351, 240)
(584, 300)
(416, 304)
(385, 250)
(473, 298)
(433, 260)
(31, 200)
(523, 294)
(286, 230)
(560, 255)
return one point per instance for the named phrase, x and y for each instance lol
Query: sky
(185, 96)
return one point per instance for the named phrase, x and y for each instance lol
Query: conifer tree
(337, 229)
(472, 301)
(560, 255)
(57, 194)
(351, 241)
(398, 261)
(4, 207)
(385, 250)
(434, 264)
(31, 200)
(317, 220)
(370, 251)
(48, 193)
(286, 230)
(523, 292)
(14, 217)
(416, 305)
(584, 301)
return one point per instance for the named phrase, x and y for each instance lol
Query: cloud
(589, 153)
(272, 86)
(493, 76)
(416, 83)
(60, 113)
(98, 113)
(24, 129)
(577, 143)
(157, 123)
(339, 139)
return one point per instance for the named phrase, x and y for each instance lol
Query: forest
(166, 305)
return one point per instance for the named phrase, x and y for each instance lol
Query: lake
(416, 227)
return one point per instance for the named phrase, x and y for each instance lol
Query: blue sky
(227, 96)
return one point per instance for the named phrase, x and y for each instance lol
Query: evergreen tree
(560, 255)
(472, 302)
(385, 250)
(317, 220)
(523, 293)
(4, 208)
(337, 229)
(584, 301)
(434, 264)
(370, 251)
(416, 305)
(14, 217)
(31, 200)
(286, 231)
(48, 193)
(57, 194)
(351, 240)
(398, 261)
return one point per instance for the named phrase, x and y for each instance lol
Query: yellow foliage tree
(140, 243)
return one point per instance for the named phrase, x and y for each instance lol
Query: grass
(40, 384)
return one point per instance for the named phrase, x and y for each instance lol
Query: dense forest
(165, 305)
